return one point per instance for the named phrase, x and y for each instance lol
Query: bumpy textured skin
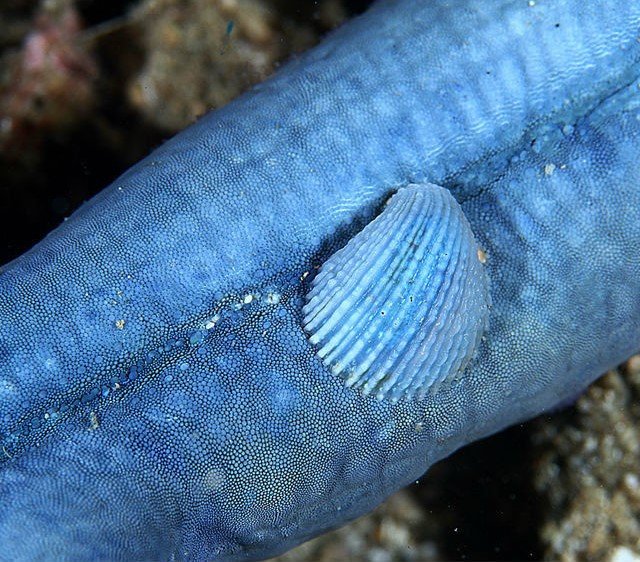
(159, 397)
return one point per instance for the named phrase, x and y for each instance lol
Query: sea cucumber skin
(233, 441)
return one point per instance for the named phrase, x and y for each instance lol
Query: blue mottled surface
(159, 397)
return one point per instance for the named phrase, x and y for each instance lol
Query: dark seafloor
(89, 87)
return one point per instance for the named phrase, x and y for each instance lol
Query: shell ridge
(402, 306)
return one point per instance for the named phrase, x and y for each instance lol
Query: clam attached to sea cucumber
(402, 307)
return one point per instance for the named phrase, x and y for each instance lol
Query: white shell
(401, 308)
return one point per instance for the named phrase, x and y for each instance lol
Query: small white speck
(212, 322)
(624, 554)
(273, 298)
(631, 481)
